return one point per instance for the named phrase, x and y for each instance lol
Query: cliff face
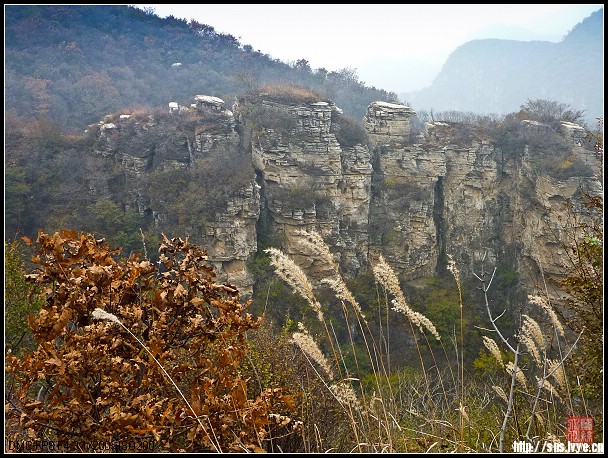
(406, 208)
(309, 181)
(196, 149)
(378, 190)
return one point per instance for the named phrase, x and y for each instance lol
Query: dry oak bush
(164, 368)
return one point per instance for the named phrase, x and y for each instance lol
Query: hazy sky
(393, 47)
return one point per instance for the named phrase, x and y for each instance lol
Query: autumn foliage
(91, 380)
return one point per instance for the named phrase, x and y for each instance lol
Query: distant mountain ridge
(498, 76)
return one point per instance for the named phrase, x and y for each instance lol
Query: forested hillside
(75, 64)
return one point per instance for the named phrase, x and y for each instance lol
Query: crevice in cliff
(262, 225)
(438, 219)
(377, 215)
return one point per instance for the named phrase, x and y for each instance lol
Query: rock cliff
(274, 166)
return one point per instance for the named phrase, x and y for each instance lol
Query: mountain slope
(498, 76)
(75, 64)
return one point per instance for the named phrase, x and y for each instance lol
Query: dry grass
(437, 413)
(286, 93)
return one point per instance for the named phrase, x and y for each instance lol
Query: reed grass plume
(313, 243)
(453, 269)
(501, 393)
(544, 304)
(343, 293)
(463, 412)
(345, 394)
(307, 344)
(295, 277)
(423, 321)
(387, 278)
(102, 315)
(519, 374)
(547, 385)
(492, 347)
(530, 345)
(532, 334)
(556, 369)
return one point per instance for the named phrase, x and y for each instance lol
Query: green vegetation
(584, 281)
(348, 131)
(437, 398)
(272, 297)
(20, 300)
(56, 180)
(549, 152)
(327, 371)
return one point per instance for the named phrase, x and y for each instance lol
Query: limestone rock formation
(388, 123)
(298, 163)
(308, 179)
(152, 151)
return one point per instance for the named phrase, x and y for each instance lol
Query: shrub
(348, 131)
(170, 331)
(277, 119)
(189, 198)
(287, 93)
(276, 361)
(294, 197)
(550, 111)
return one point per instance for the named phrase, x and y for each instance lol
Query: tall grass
(350, 398)
(373, 427)
(429, 409)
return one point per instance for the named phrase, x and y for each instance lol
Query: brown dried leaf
(179, 292)
(54, 361)
(289, 401)
(240, 394)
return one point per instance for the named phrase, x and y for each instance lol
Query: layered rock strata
(414, 199)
